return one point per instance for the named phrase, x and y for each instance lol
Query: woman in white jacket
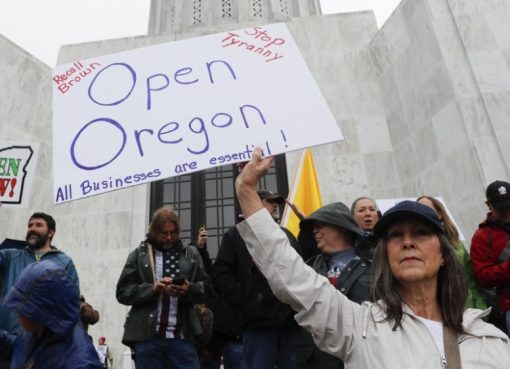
(417, 320)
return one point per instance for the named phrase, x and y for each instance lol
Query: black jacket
(240, 283)
(227, 318)
(354, 281)
(365, 246)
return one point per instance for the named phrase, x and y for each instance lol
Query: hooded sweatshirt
(44, 293)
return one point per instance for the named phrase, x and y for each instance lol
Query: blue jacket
(44, 293)
(12, 263)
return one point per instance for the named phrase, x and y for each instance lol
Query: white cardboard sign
(175, 108)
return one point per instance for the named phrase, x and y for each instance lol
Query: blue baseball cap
(408, 209)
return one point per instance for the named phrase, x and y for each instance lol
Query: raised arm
(332, 319)
(296, 210)
(246, 182)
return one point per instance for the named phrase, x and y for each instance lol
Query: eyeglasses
(168, 233)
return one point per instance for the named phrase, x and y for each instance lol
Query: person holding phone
(161, 281)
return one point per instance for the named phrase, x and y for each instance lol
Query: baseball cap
(498, 194)
(408, 209)
(270, 196)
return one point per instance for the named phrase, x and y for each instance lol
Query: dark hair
(160, 217)
(449, 227)
(451, 286)
(50, 222)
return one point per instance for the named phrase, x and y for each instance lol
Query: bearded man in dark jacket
(161, 281)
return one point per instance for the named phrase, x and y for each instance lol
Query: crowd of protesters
(353, 289)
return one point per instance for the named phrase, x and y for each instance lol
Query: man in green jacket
(162, 280)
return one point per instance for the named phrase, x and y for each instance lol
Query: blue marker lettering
(106, 120)
(133, 83)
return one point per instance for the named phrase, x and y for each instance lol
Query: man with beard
(161, 281)
(41, 229)
(267, 325)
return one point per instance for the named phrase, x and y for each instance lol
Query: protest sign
(17, 170)
(176, 108)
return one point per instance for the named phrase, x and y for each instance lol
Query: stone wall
(177, 16)
(444, 104)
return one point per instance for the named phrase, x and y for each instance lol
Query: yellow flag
(305, 193)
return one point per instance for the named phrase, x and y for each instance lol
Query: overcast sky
(41, 26)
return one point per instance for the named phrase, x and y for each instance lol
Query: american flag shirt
(168, 323)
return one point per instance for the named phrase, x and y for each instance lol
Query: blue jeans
(265, 348)
(233, 356)
(163, 353)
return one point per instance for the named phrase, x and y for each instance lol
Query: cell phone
(178, 281)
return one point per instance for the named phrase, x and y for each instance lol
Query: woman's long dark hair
(451, 288)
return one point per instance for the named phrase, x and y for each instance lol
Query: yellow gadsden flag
(305, 193)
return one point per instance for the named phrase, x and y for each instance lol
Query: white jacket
(355, 333)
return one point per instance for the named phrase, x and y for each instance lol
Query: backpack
(205, 314)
